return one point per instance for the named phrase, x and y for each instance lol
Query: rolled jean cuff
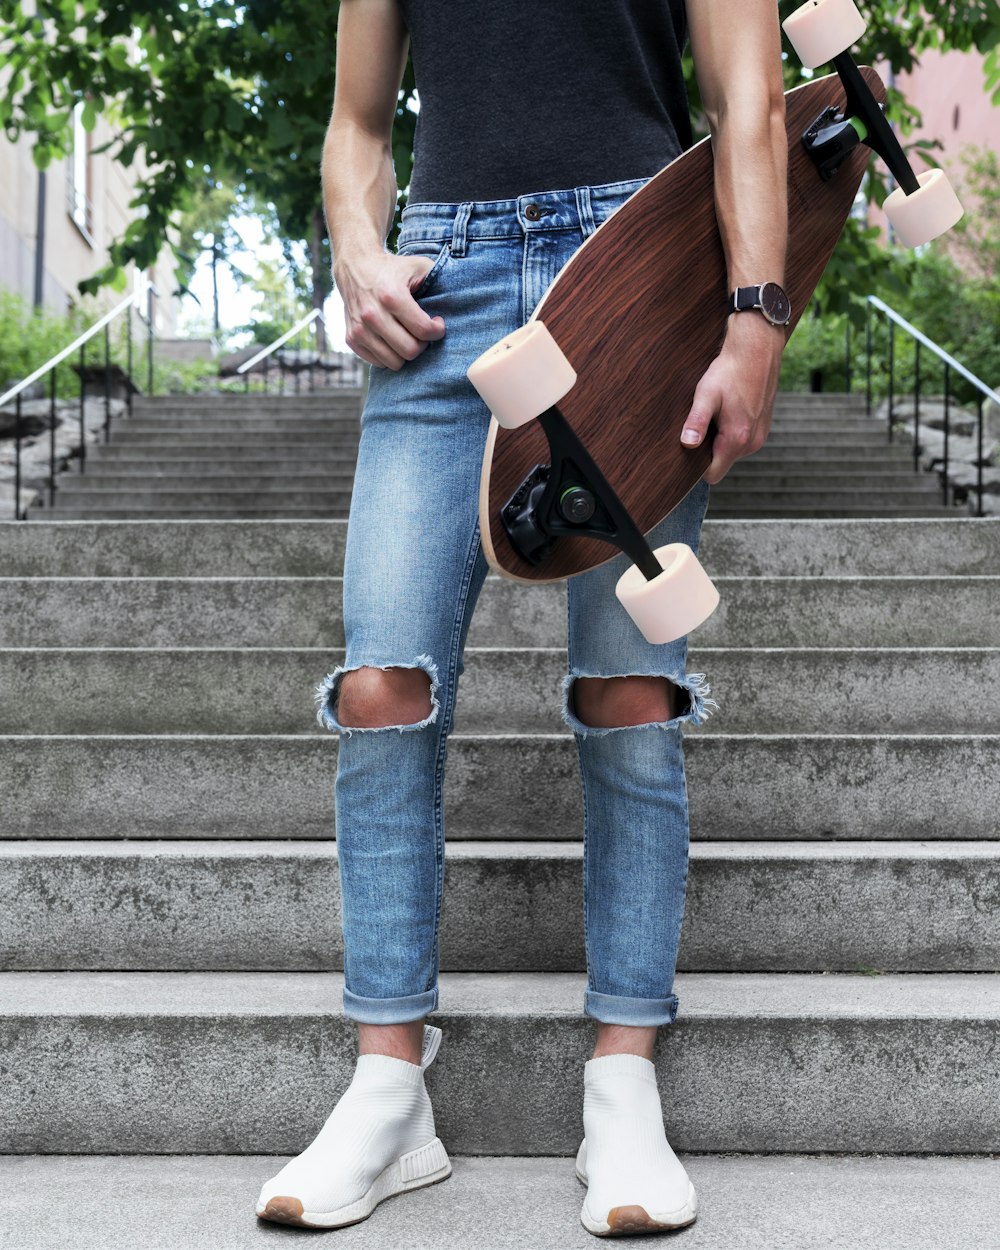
(615, 1009)
(389, 1010)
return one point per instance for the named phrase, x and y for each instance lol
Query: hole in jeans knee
(618, 702)
(612, 702)
(385, 696)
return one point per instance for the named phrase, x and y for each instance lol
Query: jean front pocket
(432, 249)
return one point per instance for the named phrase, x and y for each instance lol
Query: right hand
(384, 323)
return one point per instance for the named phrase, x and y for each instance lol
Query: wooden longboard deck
(640, 312)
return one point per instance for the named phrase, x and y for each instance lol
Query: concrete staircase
(221, 456)
(825, 458)
(268, 457)
(170, 1009)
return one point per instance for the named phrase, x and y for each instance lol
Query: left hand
(738, 389)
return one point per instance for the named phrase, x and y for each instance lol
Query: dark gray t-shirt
(540, 95)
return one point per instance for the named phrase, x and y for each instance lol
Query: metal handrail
(247, 365)
(50, 367)
(950, 363)
(59, 357)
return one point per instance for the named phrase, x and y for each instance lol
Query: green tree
(241, 93)
(207, 227)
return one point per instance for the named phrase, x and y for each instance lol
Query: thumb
(420, 268)
(704, 406)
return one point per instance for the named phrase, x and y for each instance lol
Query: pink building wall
(948, 89)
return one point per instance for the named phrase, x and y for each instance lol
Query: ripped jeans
(413, 571)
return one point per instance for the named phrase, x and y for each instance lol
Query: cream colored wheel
(926, 213)
(821, 29)
(522, 375)
(676, 601)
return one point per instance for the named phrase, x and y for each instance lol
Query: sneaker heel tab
(432, 1043)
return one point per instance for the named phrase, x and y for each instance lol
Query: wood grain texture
(640, 312)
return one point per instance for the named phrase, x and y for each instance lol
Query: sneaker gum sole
(625, 1220)
(427, 1165)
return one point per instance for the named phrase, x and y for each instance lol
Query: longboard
(640, 312)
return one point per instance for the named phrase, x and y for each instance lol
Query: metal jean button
(532, 212)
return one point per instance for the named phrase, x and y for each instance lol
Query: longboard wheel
(676, 601)
(925, 213)
(821, 29)
(522, 375)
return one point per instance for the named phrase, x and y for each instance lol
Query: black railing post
(979, 456)
(267, 375)
(916, 407)
(947, 423)
(107, 382)
(847, 356)
(868, 359)
(17, 459)
(246, 382)
(892, 367)
(52, 439)
(298, 363)
(83, 404)
(128, 381)
(149, 339)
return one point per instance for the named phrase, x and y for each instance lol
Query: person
(536, 122)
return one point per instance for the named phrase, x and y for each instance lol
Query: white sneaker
(635, 1182)
(379, 1140)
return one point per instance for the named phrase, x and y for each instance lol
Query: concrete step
(220, 437)
(862, 472)
(739, 508)
(223, 512)
(760, 690)
(794, 786)
(508, 906)
(790, 419)
(957, 546)
(237, 612)
(127, 475)
(825, 496)
(233, 495)
(289, 408)
(341, 422)
(813, 451)
(828, 436)
(821, 399)
(162, 1062)
(803, 1202)
(255, 399)
(208, 453)
(249, 408)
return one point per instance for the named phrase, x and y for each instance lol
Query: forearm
(737, 56)
(750, 148)
(359, 190)
(359, 183)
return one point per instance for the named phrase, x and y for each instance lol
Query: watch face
(775, 303)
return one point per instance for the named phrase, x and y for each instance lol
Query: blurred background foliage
(229, 104)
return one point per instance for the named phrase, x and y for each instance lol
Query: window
(79, 178)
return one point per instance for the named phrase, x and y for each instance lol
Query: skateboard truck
(922, 206)
(522, 378)
(835, 134)
(570, 496)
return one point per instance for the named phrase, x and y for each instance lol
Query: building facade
(84, 201)
(948, 89)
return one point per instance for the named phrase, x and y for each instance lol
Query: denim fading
(413, 571)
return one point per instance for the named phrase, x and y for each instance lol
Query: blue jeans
(413, 571)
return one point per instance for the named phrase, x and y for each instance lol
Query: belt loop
(583, 207)
(458, 233)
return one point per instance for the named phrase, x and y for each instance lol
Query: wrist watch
(767, 297)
